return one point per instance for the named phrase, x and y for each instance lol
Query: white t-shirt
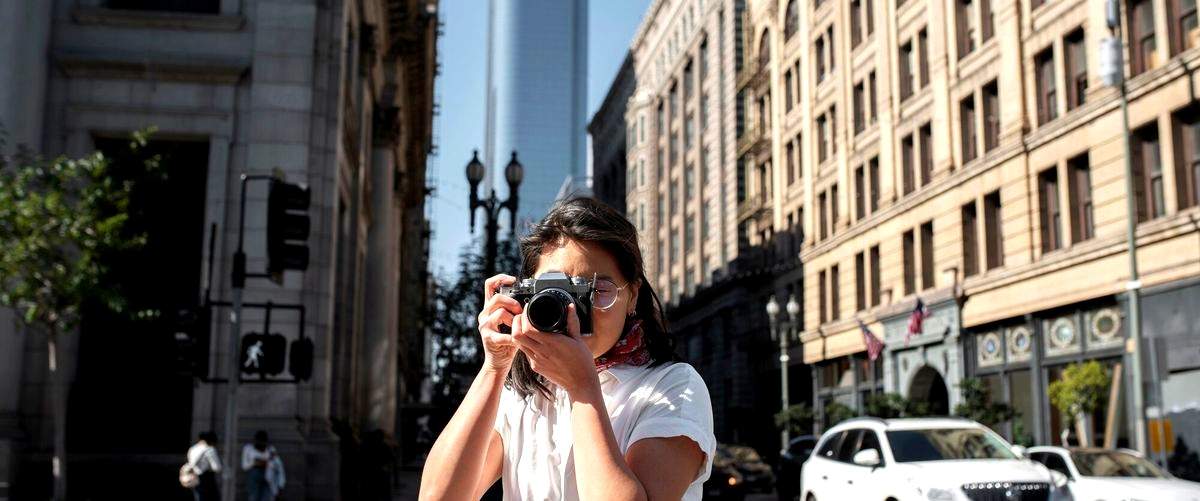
(669, 400)
(203, 457)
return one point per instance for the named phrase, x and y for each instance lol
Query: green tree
(1079, 392)
(836, 412)
(58, 218)
(456, 303)
(893, 405)
(798, 419)
(977, 404)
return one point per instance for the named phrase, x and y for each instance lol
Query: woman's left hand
(563, 359)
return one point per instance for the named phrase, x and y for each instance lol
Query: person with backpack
(200, 472)
(263, 467)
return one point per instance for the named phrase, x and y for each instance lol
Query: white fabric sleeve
(679, 406)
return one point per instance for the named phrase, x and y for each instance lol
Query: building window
(966, 27)
(832, 47)
(823, 302)
(906, 164)
(791, 23)
(860, 281)
(876, 293)
(970, 244)
(1051, 215)
(822, 139)
(869, 13)
(1187, 159)
(910, 263)
(189, 6)
(835, 294)
(927, 255)
(906, 71)
(860, 195)
(859, 118)
(873, 183)
(822, 207)
(925, 135)
(985, 18)
(1141, 36)
(1075, 53)
(1047, 94)
(787, 91)
(833, 208)
(966, 115)
(993, 238)
(872, 103)
(1147, 173)
(819, 58)
(794, 167)
(991, 116)
(791, 162)
(856, 26)
(923, 51)
(1184, 23)
(1079, 188)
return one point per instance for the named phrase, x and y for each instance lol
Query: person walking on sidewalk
(264, 469)
(204, 462)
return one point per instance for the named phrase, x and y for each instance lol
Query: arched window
(764, 49)
(791, 23)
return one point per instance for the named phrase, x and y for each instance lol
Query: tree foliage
(1082, 388)
(456, 303)
(977, 404)
(798, 418)
(836, 412)
(58, 218)
(893, 405)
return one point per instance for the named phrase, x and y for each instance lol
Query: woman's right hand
(498, 347)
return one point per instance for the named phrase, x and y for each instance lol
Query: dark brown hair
(585, 219)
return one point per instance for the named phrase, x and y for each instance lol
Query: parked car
(725, 483)
(1096, 474)
(756, 474)
(787, 481)
(927, 459)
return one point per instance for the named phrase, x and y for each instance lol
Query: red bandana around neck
(630, 349)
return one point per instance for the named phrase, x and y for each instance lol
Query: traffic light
(300, 359)
(263, 354)
(191, 329)
(287, 228)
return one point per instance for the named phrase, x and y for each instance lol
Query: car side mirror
(1058, 478)
(867, 457)
(1020, 451)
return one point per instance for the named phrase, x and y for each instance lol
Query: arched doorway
(928, 386)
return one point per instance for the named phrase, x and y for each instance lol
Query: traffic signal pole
(232, 461)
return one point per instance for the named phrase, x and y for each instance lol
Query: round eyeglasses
(605, 293)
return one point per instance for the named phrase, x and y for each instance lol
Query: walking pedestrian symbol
(253, 354)
(263, 354)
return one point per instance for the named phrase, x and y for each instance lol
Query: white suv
(934, 459)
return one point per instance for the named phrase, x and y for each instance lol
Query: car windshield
(946, 443)
(744, 454)
(1114, 464)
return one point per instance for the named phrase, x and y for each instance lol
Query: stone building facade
(609, 139)
(968, 154)
(338, 96)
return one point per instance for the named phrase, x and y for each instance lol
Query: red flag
(874, 345)
(916, 320)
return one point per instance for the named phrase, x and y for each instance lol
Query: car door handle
(824, 477)
(849, 481)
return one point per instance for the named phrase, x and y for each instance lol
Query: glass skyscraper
(536, 102)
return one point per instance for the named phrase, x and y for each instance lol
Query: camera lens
(547, 310)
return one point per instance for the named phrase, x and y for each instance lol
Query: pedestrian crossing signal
(263, 354)
(300, 359)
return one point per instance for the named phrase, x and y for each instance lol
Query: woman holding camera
(561, 416)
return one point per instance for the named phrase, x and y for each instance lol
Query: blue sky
(460, 87)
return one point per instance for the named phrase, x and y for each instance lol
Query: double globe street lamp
(788, 328)
(513, 174)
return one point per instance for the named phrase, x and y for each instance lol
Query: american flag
(915, 320)
(874, 345)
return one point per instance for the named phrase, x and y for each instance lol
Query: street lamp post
(784, 338)
(513, 173)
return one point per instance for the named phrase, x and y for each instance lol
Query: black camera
(545, 300)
